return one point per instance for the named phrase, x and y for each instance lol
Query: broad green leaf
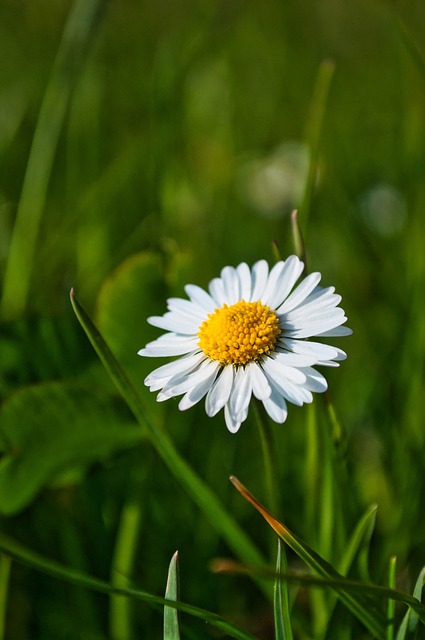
(171, 618)
(362, 609)
(34, 560)
(133, 292)
(282, 616)
(53, 428)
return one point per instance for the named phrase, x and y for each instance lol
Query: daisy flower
(246, 337)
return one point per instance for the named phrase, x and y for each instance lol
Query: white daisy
(246, 337)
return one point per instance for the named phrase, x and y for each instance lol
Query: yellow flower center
(240, 333)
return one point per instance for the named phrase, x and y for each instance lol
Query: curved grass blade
(338, 584)
(410, 620)
(282, 616)
(171, 618)
(363, 610)
(206, 500)
(34, 560)
(360, 539)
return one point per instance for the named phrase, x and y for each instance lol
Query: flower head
(247, 336)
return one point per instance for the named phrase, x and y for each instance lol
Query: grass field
(143, 146)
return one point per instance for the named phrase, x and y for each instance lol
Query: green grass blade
(410, 620)
(124, 555)
(56, 570)
(171, 618)
(206, 500)
(391, 603)
(282, 616)
(5, 566)
(314, 129)
(339, 584)
(359, 539)
(363, 610)
(78, 34)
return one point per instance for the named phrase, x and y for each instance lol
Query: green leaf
(363, 609)
(282, 617)
(171, 618)
(45, 565)
(50, 429)
(134, 291)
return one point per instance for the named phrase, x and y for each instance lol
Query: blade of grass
(410, 620)
(391, 603)
(78, 35)
(5, 566)
(339, 584)
(171, 618)
(282, 616)
(364, 611)
(314, 129)
(122, 567)
(52, 568)
(206, 500)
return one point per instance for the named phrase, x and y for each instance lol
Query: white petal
(219, 393)
(292, 270)
(244, 274)
(182, 365)
(172, 322)
(260, 386)
(315, 349)
(272, 282)
(216, 288)
(292, 392)
(231, 423)
(316, 328)
(230, 280)
(283, 370)
(297, 317)
(181, 383)
(186, 308)
(200, 297)
(315, 381)
(336, 333)
(160, 348)
(300, 293)
(276, 407)
(241, 391)
(259, 274)
(199, 390)
(294, 359)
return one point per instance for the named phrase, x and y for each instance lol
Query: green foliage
(51, 429)
(141, 150)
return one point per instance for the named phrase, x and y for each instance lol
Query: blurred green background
(146, 144)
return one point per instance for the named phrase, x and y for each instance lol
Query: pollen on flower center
(239, 333)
